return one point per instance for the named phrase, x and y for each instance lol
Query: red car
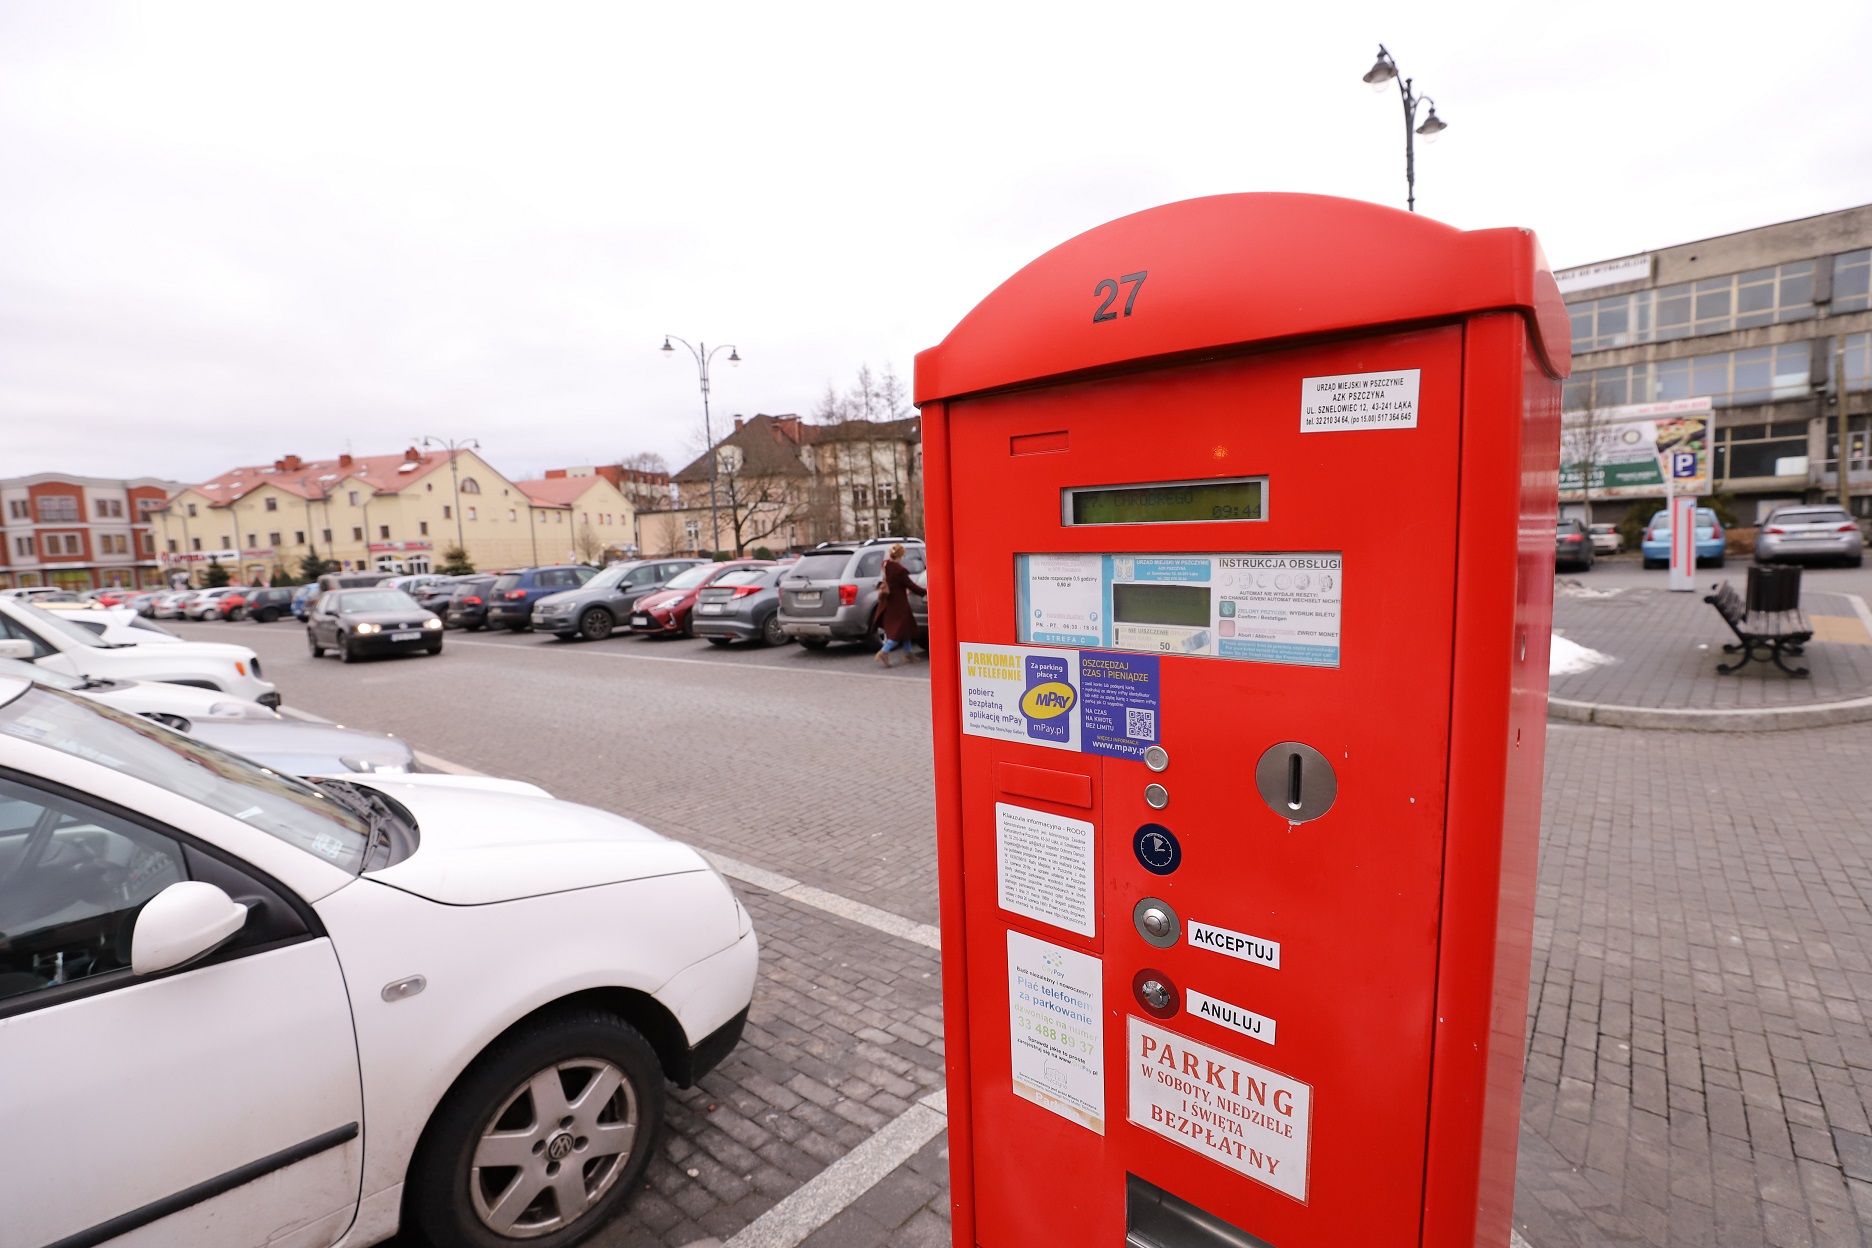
(666, 613)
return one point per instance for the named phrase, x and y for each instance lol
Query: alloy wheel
(554, 1148)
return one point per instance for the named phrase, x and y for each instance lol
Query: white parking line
(831, 1191)
(668, 658)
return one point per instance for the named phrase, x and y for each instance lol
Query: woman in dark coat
(894, 611)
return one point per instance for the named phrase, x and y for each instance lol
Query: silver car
(831, 593)
(1803, 534)
(592, 610)
(742, 605)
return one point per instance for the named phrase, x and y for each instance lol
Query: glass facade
(1711, 305)
(1729, 378)
(1852, 281)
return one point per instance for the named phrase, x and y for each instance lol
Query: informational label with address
(1359, 401)
(1044, 868)
(1085, 700)
(1056, 1029)
(1253, 1120)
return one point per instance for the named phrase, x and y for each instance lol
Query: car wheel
(874, 640)
(345, 653)
(318, 651)
(435, 647)
(596, 624)
(1718, 561)
(718, 641)
(1653, 563)
(544, 1137)
(472, 627)
(771, 633)
(518, 628)
(814, 643)
(1854, 561)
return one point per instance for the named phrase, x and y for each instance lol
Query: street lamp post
(1383, 70)
(703, 354)
(452, 446)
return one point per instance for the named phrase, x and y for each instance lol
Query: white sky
(233, 231)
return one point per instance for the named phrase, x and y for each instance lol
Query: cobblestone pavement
(1665, 647)
(1699, 1070)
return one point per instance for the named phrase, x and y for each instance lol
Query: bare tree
(1586, 440)
(872, 399)
(758, 505)
(587, 544)
(645, 495)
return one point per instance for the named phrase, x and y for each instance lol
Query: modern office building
(1759, 322)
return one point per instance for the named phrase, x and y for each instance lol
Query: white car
(174, 705)
(206, 605)
(118, 625)
(63, 646)
(273, 1012)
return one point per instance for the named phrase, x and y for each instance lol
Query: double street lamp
(452, 446)
(704, 354)
(1384, 70)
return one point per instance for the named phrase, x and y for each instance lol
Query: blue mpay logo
(1048, 702)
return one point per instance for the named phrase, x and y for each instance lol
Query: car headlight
(432, 624)
(369, 628)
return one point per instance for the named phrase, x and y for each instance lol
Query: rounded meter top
(1227, 270)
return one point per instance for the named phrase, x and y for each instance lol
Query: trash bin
(1772, 588)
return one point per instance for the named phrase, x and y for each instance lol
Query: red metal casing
(1404, 914)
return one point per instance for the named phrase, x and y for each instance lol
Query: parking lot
(1698, 1069)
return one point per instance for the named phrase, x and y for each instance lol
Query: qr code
(1140, 725)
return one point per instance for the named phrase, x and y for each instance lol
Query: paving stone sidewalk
(1665, 647)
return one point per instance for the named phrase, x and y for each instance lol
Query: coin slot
(1294, 766)
(1296, 781)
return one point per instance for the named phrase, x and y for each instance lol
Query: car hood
(480, 844)
(167, 655)
(299, 748)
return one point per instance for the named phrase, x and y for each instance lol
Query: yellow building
(393, 513)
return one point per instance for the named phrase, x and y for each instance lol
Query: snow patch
(1569, 658)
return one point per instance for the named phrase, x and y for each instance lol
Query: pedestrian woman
(894, 611)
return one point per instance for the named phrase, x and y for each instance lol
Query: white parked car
(206, 604)
(279, 1012)
(117, 625)
(174, 705)
(63, 646)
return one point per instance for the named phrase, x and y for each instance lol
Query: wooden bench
(1760, 635)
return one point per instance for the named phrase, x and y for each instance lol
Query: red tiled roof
(314, 479)
(556, 491)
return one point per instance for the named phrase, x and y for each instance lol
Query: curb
(1778, 719)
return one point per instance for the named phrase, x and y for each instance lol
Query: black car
(468, 603)
(435, 595)
(361, 622)
(266, 605)
(511, 605)
(1573, 546)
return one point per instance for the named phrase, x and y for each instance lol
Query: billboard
(1630, 451)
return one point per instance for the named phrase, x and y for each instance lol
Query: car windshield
(57, 623)
(44, 675)
(470, 588)
(689, 578)
(821, 567)
(610, 576)
(278, 805)
(1827, 515)
(362, 601)
(504, 583)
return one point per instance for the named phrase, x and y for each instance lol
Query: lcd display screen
(1184, 606)
(1168, 502)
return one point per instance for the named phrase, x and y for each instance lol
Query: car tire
(718, 641)
(434, 647)
(814, 643)
(518, 628)
(318, 651)
(345, 653)
(1653, 563)
(473, 627)
(1855, 561)
(453, 1200)
(771, 634)
(596, 624)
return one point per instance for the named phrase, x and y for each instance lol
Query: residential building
(782, 483)
(80, 532)
(1760, 323)
(380, 512)
(578, 517)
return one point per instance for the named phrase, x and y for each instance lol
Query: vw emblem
(559, 1146)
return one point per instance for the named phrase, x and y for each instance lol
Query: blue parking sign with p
(1683, 464)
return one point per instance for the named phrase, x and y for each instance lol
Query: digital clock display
(1168, 502)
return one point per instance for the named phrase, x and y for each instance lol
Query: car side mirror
(14, 648)
(188, 920)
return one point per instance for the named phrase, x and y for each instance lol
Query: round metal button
(1157, 922)
(1156, 758)
(1156, 796)
(1155, 994)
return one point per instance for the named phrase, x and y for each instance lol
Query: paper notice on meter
(1056, 1029)
(1360, 401)
(1253, 1120)
(1044, 867)
(1062, 597)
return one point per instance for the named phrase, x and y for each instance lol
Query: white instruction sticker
(1234, 944)
(1044, 867)
(1359, 401)
(1065, 598)
(1056, 1029)
(1234, 1017)
(1253, 1120)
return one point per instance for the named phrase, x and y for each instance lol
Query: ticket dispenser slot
(1270, 995)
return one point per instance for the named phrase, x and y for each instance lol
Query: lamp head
(1383, 70)
(1433, 125)
(668, 351)
(734, 355)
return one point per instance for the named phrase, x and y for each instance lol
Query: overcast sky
(229, 232)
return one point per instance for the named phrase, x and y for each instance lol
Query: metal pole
(1410, 143)
(461, 543)
(714, 460)
(532, 532)
(1845, 431)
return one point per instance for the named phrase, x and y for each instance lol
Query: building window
(273, 540)
(108, 507)
(19, 509)
(147, 505)
(559, 517)
(471, 513)
(23, 547)
(357, 533)
(422, 528)
(191, 510)
(1852, 281)
(195, 543)
(692, 530)
(1858, 362)
(252, 541)
(1711, 305)
(1759, 450)
(861, 497)
(226, 544)
(298, 537)
(272, 504)
(325, 536)
(58, 508)
(448, 513)
(354, 498)
(383, 532)
(470, 486)
(512, 515)
(1729, 378)
(172, 546)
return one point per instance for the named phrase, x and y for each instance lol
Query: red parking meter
(1240, 519)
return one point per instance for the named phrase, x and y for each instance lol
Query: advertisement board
(1630, 451)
